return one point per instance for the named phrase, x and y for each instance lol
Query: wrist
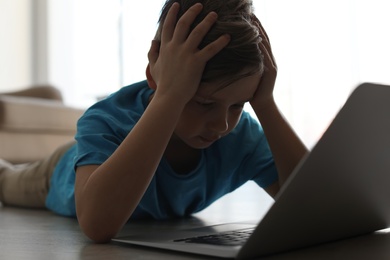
(261, 106)
(167, 102)
(175, 100)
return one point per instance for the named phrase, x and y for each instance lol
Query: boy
(170, 146)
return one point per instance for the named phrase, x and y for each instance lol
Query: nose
(218, 121)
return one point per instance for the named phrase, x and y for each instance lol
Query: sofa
(32, 127)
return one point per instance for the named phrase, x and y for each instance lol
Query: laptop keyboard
(231, 238)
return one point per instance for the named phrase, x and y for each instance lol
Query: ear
(149, 78)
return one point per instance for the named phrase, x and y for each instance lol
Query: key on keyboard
(231, 238)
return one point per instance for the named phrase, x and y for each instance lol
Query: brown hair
(242, 57)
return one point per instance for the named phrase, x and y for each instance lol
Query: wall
(15, 44)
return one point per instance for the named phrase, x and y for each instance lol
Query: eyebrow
(247, 99)
(214, 100)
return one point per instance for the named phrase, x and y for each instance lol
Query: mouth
(209, 139)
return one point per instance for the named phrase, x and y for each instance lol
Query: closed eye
(204, 104)
(238, 106)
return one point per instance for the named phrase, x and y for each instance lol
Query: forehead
(240, 90)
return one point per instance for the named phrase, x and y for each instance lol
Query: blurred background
(91, 48)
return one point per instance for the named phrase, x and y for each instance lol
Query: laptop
(340, 189)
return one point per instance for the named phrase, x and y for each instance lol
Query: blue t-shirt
(227, 164)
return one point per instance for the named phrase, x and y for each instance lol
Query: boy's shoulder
(248, 133)
(125, 105)
(129, 97)
(139, 91)
(247, 123)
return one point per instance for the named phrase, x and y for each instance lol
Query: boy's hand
(264, 93)
(176, 64)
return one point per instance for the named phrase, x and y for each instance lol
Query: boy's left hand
(264, 93)
(286, 147)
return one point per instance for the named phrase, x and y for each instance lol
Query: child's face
(213, 114)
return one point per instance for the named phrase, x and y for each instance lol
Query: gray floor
(39, 234)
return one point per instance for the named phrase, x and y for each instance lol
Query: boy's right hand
(176, 63)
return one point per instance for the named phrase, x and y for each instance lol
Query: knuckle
(211, 48)
(183, 23)
(196, 33)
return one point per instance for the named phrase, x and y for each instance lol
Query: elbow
(98, 231)
(99, 237)
(97, 234)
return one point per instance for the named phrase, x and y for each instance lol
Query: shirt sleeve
(97, 138)
(104, 126)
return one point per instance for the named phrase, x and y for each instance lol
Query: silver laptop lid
(342, 187)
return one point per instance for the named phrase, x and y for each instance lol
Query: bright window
(323, 50)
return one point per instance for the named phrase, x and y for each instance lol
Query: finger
(258, 24)
(184, 24)
(154, 52)
(264, 37)
(214, 47)
(269, 60)
(265, 44)
(262, 32)
(200, 31)
(168, 28)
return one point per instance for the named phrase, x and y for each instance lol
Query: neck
(181, 157)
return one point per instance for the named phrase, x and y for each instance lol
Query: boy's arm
(286, 147)
(107, 195)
